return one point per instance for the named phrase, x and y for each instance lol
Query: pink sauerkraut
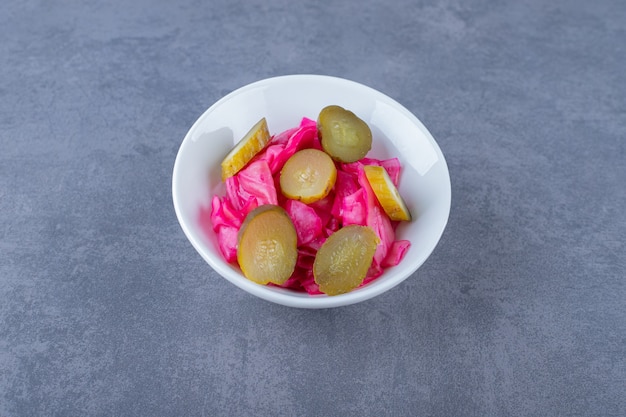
(351, 201)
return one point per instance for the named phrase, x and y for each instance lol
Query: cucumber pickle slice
(343, 135)
(267, 245)
(342, 262)
(308, 176)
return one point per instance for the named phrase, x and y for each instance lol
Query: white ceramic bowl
(283, 101)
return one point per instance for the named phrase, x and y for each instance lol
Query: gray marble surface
(106, 309)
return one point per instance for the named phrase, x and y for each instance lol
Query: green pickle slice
(343, 135)
(308, 176)
(246, 149)
(267, 245)
(342, 262)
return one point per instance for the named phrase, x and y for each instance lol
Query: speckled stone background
(106, 309)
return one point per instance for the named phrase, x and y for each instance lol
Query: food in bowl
(306, 209)
(284, 101)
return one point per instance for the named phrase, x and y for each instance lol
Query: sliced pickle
(344, 136)
(387, 193)
(252, 143)
(308, 176)
(342, 262)
(267, 245)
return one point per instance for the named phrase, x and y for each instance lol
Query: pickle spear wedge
(251, 144)
(387, 194)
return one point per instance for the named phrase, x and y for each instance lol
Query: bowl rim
(284, 296)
